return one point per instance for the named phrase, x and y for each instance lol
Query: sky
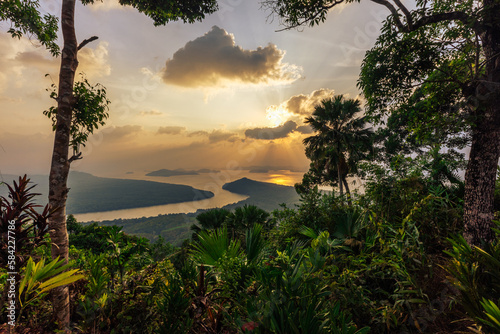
(226, 93)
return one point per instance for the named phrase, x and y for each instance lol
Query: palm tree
(341, 141)
(244, 218)
(209, 220)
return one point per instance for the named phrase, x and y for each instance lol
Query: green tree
(341, 141)
(456, 45)
(26, 18)
(244, 218)
(209, 220)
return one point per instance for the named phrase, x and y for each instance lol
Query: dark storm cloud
(281, 131)
(304, 129)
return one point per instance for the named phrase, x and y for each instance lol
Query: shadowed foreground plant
(476, 273)
(19, 219)
(493, 314)
(39, 278)
(212, 245)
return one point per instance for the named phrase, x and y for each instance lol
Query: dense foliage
(392, 260)
(388, 263)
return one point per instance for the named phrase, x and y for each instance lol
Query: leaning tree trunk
(341, 185)
(481, 171)
(60, 164)
(347, 191)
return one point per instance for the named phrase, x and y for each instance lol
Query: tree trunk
(481, 171)
(347, 191)
(341, 185)
(60, 165)
(480, 180)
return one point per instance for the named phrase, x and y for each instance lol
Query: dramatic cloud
(281, 131)
(304, 104)
(296, 109)
(214, 60)
(171, 130)
(304, 129)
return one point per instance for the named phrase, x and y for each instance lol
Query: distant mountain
(267, 196)
(90, 193)
(169, 172)
(206, 170)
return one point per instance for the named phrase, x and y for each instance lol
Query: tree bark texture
(481, 171)
(480, 180)
(60, 165)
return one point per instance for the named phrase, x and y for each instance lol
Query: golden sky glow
(227, 91)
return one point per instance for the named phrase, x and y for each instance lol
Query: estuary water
(205, 181)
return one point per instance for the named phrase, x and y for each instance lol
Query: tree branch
(87, 41)
(75, 157)
(407, 13)
(441, 17)
(315, 12)
(435, 18)
(394, 13)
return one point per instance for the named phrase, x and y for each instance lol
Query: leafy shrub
(476, 273)
(20, 221)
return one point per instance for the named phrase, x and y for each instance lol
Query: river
(205, 181)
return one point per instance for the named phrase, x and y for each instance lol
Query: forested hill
(90, 193)
(267, 196)
(174, 228)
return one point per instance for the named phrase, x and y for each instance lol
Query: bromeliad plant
(20, 221)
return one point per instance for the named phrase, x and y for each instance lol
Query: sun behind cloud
(277, 115)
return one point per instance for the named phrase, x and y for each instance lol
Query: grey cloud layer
(171, 130)
(214, 58)
(216, 135)
(281, 131)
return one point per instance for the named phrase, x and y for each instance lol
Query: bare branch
(407, 13)
(394, 13)
(436, 18)
(442, 17)
(309, 14)
(75, 157)
(87, 41)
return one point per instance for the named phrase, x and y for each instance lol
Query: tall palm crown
(341, 139)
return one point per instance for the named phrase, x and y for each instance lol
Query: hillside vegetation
(90, 193)
(267, 196)
(175, 228)
(391, 261)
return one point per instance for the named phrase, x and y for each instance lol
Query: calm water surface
(206, 181)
